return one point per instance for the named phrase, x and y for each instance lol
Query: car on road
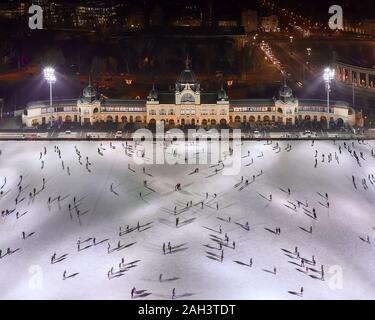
(118, 135)
(256, 134)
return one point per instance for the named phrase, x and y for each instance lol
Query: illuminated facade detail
(360, 77)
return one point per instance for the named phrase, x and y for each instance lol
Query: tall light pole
(353, 94)
(49, 75)
(1, 108)
(308, 55)
(291, 44)
(329, 75)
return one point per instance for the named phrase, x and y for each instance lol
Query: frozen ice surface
(109, 197)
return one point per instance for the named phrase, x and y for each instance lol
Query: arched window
(187, 98)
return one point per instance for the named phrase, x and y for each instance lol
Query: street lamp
(329, 75)
(308, 55)
(291, 44)
(49, 75)
(1, 109)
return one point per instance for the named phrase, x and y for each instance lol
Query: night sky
(358, 9)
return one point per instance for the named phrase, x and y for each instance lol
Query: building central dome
(286, 93)
(187, 76)
(89, 92)
(187, 80)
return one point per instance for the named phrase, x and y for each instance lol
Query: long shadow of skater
(287, 251)
(213, 258)
(292, 262)
(141, 294)
(144, 229)
(243, 226)
(269, 271)
(170, 279)
(65, 276)
(303, 229)
(211, 229)
(266, 198)
(177, 250)
(315, 277)
(272, 231)
(295, 293)
(186, 222)
(242, 263)
(184, 295)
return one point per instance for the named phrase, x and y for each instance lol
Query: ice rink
(53, 247)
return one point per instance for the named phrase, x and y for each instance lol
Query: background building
(270, 23)
(249, 20)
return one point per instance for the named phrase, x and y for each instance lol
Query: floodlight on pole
(329, 75)
(49, 76)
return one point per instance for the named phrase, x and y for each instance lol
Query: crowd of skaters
(169, 247)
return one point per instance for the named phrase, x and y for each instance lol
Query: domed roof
(187, 76)
(285, 93)
(187, 80)
(89, 93)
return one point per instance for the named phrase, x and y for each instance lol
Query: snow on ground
(107, 196)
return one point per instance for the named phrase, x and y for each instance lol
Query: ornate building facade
(187, 104)
(362, 77)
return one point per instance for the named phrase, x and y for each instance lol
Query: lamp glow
(50, 77)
